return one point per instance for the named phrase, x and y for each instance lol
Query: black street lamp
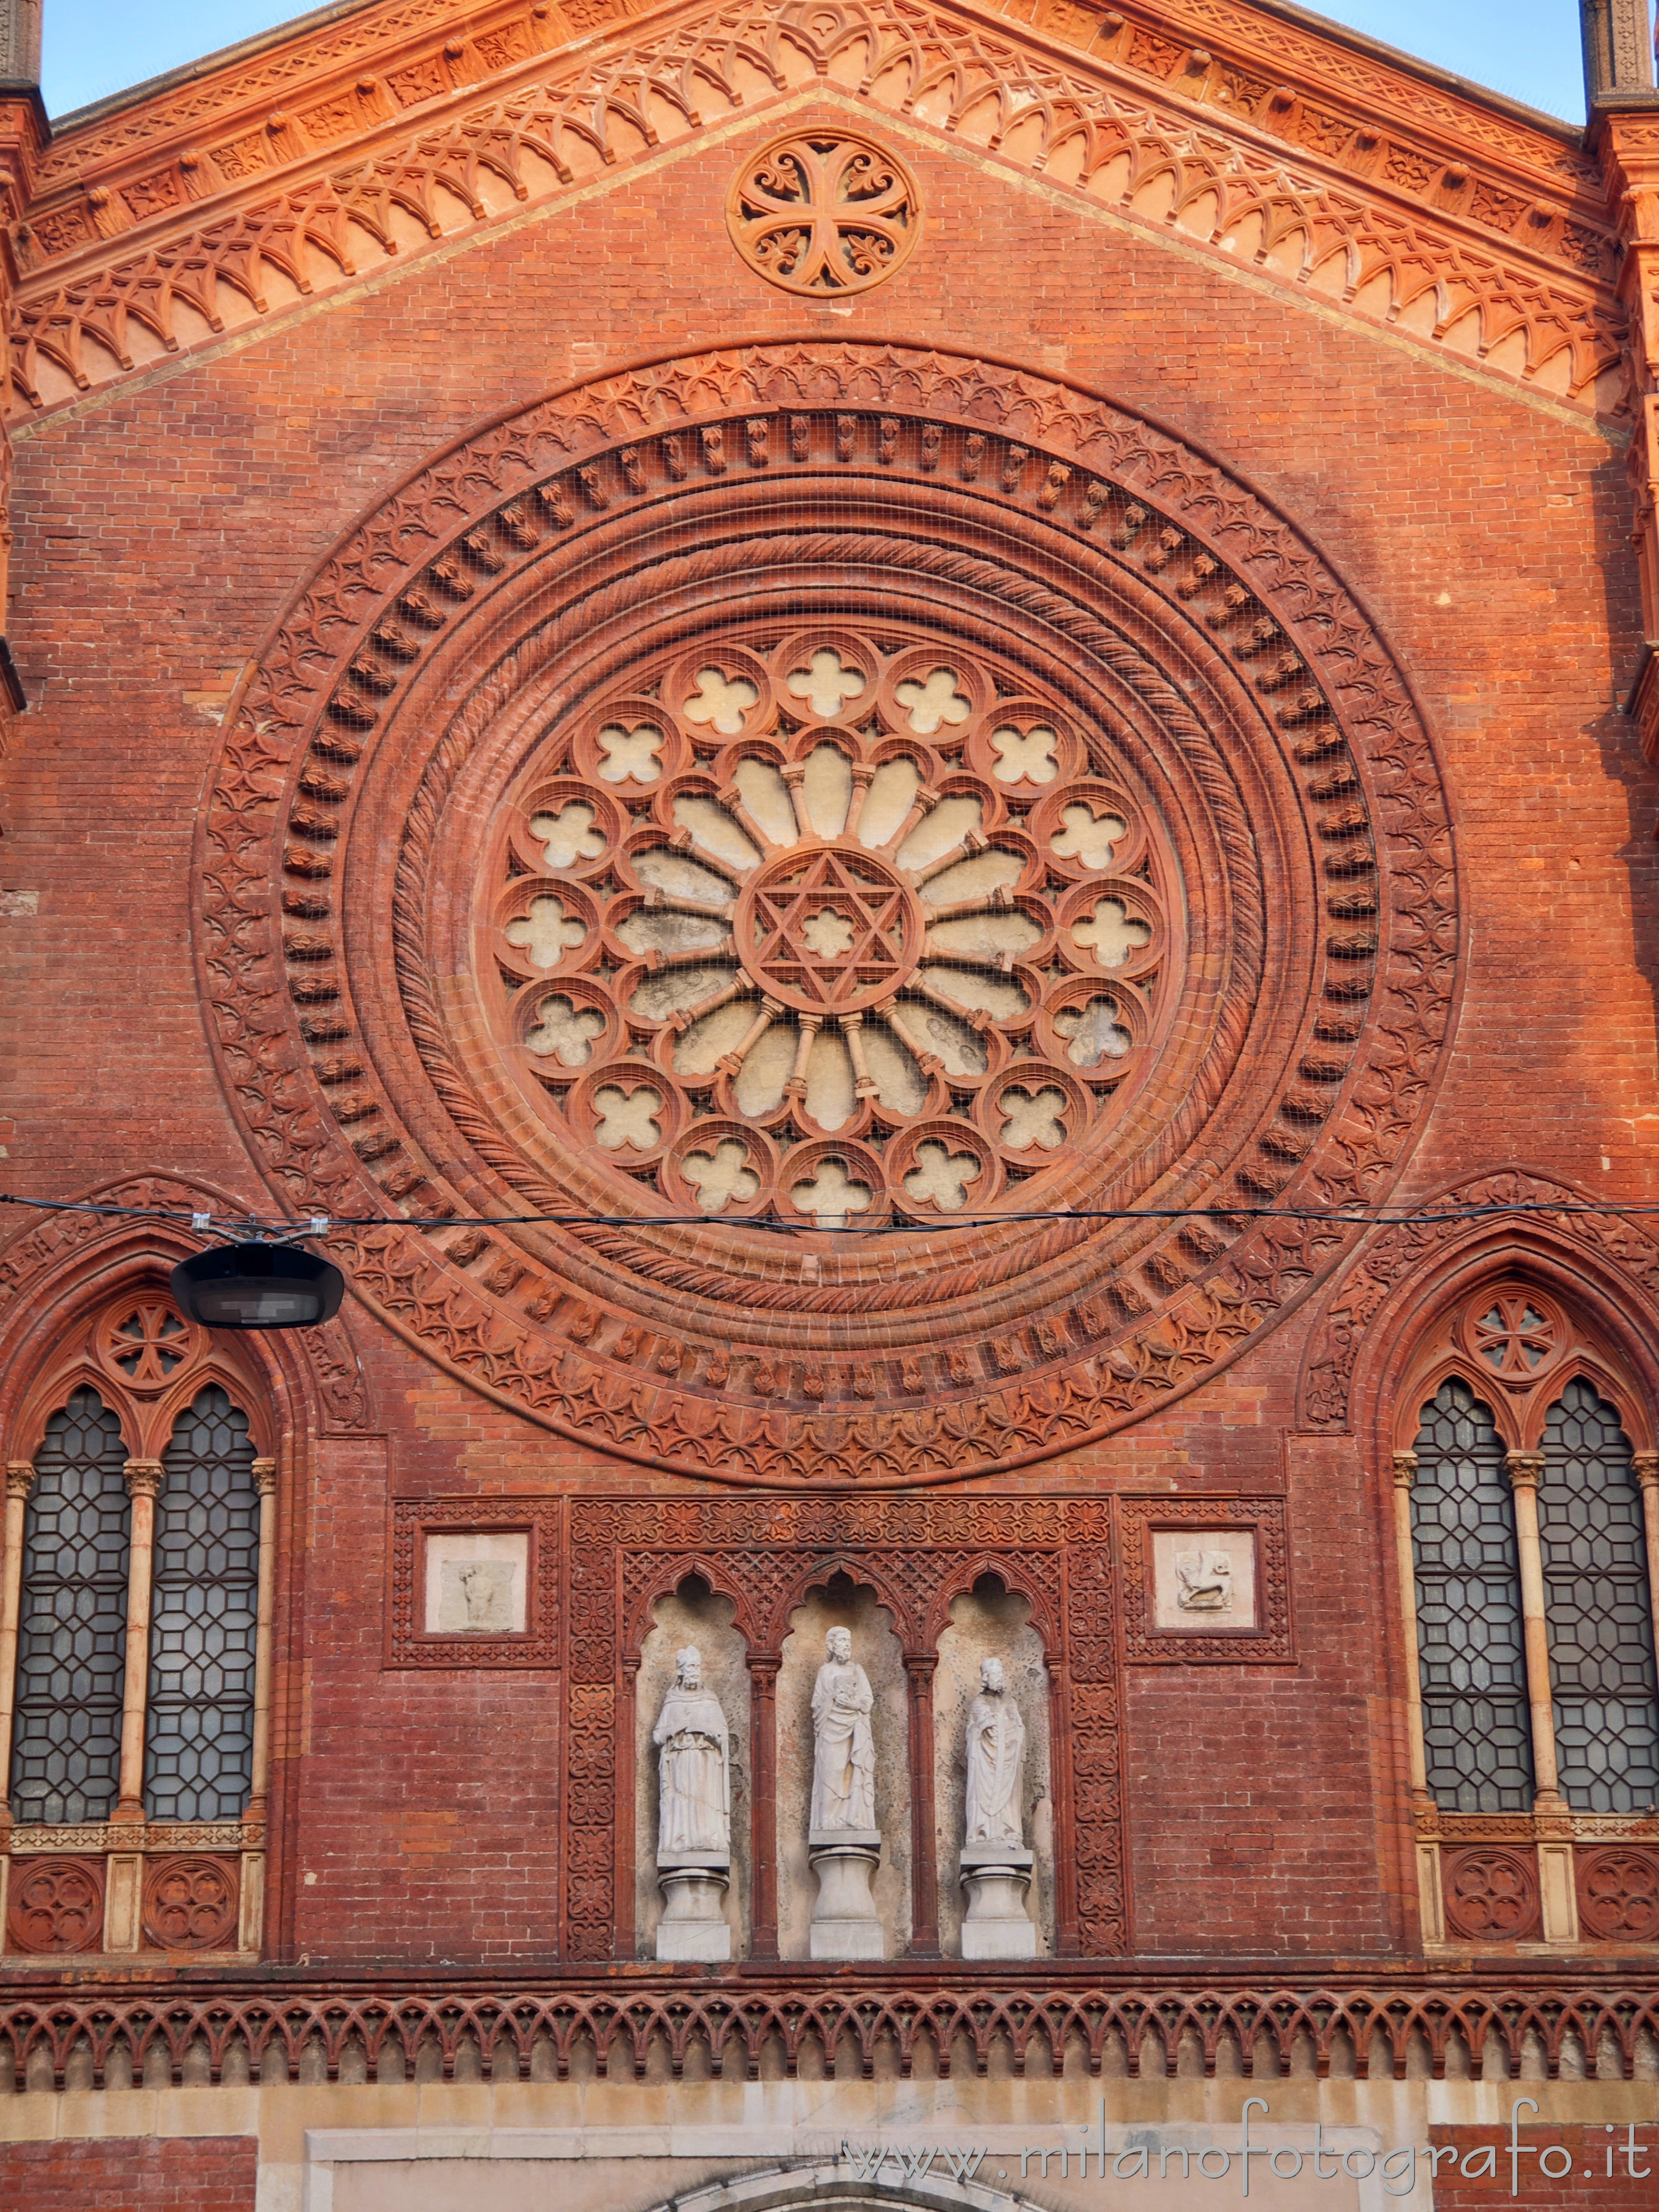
(257, 1286)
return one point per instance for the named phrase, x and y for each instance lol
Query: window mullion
(1524, 1470)
(144, 1483)
(1646, 1467)
(1430, 1906)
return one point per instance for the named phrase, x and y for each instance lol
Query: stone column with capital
(124, 1873)
(1430, 1907)
(1558, 1892)
(20, 1480)
(143, 1480)
(251, 1918)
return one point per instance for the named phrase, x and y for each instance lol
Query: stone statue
(694, 1811)
(843, 1750)
(996, 1761)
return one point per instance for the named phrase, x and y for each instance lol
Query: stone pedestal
(996, 1925)
(693, 1923)
(844, 1923)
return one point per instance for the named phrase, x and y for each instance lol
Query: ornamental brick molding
(651, 779)
(961, 2019)
(1462, 230)
(1605, 1264)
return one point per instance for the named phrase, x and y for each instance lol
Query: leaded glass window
(72, 1624)
(1597, 1601)
(198, 1748)
(1476, 1727)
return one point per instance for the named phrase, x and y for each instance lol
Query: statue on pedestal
(842, 1841)
(996, 1866)
(694, 1817)
(996, 1761)
(695, 1805)
(843, 1750)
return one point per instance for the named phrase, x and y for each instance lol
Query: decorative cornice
(1515, 273)
(93, 1836)
(973, 2009)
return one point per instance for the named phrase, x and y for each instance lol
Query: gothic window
(66, 1740)
(1598, 1608)
(1476, 1729)
(199, 1750)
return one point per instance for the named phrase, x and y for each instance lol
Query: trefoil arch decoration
(1515, 272)
(1402, 1303)
(678, 857)
(1516, 1347)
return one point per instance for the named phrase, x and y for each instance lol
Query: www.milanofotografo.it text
(1400, 2169)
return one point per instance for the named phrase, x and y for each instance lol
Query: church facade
(897, 757)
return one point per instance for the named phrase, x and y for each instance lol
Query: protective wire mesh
(1476, 1739)
(66, 1742)
(1597, 1601)
(198, 1748)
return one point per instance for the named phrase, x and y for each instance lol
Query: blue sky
(1526, 48)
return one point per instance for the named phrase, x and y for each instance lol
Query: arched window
(138, 1559)
(1527, 1514)
(198, 1748)
(71, 1630)
(1599, 1609)
(1476, 1736)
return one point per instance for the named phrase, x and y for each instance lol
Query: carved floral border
(408, 1645)
(1270, 1642)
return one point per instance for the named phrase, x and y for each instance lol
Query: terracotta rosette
(824, 213)
(886, 552)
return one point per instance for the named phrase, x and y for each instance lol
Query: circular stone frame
(425, 650)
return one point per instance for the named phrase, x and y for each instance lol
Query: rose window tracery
(830, 925)
(828, 783)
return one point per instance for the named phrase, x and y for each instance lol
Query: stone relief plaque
(1204, 1579)
(477, 1583)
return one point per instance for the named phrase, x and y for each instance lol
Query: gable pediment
(1464, 226)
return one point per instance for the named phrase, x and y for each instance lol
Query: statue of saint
(695, 1813)
(996, 1761)
(843, 1749)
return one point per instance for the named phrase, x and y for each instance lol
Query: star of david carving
(797, 953)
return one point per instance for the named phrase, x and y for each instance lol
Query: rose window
(831, 925)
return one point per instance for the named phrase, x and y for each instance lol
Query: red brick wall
(161, 529)
(1633, 2185)
(132, 2173)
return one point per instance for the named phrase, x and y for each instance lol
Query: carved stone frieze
(26, 1842)
(1123, 556)
(1519, 282)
